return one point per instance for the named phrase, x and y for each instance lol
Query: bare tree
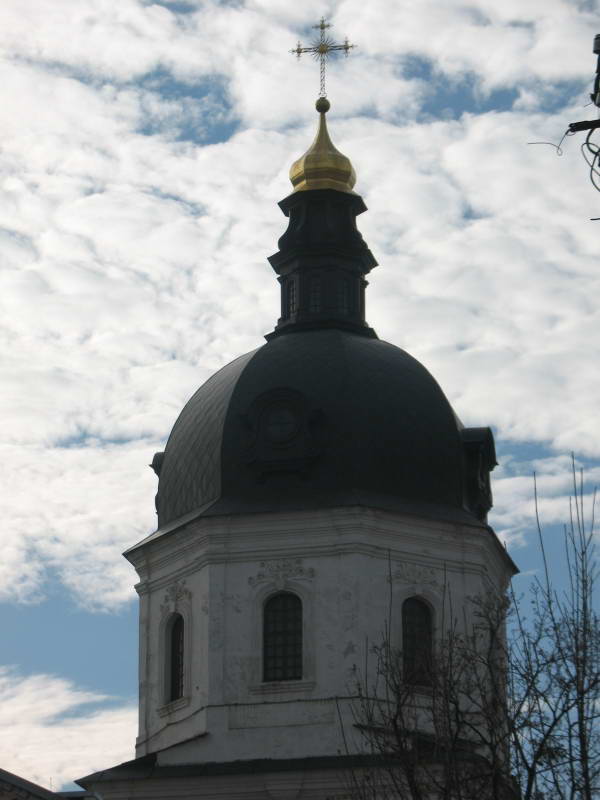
(506, 706)
(442, 733)
(554, 671)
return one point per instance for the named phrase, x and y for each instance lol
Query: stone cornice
(308, 534)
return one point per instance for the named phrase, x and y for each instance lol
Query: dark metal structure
(324, 414)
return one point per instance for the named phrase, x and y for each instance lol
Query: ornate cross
(321, 48)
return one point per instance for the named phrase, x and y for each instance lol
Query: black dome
(325, 414)
(317, 418)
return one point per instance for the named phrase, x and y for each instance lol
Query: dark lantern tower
(322, 259)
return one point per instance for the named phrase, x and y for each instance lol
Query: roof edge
(147, 767)
(23, 785)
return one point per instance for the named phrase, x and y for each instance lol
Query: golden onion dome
(323, 166)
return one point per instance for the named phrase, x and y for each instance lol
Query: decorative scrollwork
(176, 594)
(279, 571)
(416, 574)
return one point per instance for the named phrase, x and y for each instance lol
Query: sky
(143, 149)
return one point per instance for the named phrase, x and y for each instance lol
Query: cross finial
(321, 48)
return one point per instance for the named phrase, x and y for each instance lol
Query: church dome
(313, 419)
(324, 414)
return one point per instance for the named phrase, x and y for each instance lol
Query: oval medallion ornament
(283, 433)
(281, 424)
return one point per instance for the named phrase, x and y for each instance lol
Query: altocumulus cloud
(51, 732)
(135, 259)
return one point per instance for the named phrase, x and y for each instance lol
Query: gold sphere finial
(323, 166)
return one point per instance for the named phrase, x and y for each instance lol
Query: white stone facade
(349, 566)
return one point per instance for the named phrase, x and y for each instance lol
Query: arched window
(282, 638)
(174, 652)
(417, 641)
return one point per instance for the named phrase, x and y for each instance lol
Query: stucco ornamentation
(416, 574)
(176, 594)
(279, 571)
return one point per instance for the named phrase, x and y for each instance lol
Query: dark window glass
(176, 658)
(417, 641)
(282, 638)
(291, 297)
(343, 296)
(314, 295)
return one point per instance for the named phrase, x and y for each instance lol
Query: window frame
(343, 296)
(169, 613)
(263, 588)
(291, 297)
(174, 654)
(416, 672)
(267, 676)
(315, 294)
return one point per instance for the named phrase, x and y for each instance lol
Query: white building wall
(350, 567)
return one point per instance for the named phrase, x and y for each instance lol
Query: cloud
(497, 278)
(121, 42)
(516, 483)
(50, 735)
(134, 245)
(503, 45)
(73, 511)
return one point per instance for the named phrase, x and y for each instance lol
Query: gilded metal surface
(323, 166)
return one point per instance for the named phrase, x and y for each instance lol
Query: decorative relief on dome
(416, 573)
(281, 423)
(278, 572)
(175, 595)
(283, 434)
